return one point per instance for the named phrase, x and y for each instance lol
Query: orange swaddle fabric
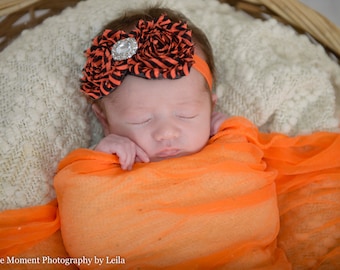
(22, 228)
(30, 238)
(214, 209)
(308, 188)
(246, 201)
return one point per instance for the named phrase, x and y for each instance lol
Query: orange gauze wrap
(217, 208)
(213, 209)
(248, 200)
(23, 228)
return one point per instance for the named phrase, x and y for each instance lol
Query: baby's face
(166, 118)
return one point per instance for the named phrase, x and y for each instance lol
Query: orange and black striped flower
(155, 49)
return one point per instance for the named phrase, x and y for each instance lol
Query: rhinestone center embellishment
(124, 49)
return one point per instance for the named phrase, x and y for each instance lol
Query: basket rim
(304, 19)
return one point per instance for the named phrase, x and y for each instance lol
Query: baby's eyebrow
(189, 102)
(136, 111)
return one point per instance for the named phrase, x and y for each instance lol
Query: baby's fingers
(141, 155)
(132, 154)
(127, 157)
(125, 160)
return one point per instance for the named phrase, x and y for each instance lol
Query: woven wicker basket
(290, 12)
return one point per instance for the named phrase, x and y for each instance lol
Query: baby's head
(150, 74)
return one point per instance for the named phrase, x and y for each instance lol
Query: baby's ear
(101, 116)
(214, 99)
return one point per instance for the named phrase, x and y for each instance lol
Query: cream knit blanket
(266, 72)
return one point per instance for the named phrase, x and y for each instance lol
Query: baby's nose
(166, 131)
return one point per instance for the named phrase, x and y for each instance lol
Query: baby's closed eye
(186, 116)
(141, 121)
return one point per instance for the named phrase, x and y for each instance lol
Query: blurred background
(328, 8)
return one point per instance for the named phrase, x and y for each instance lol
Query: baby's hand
(217, 118)
(127, 151)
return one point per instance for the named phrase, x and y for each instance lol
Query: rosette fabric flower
(154, 49)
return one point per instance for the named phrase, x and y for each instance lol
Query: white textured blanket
(266, 72)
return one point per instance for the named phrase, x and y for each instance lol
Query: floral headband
(153, 50)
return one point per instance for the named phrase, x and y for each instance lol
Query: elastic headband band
(202, 67)
(155, 49)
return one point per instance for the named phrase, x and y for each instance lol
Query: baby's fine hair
(130, 18)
